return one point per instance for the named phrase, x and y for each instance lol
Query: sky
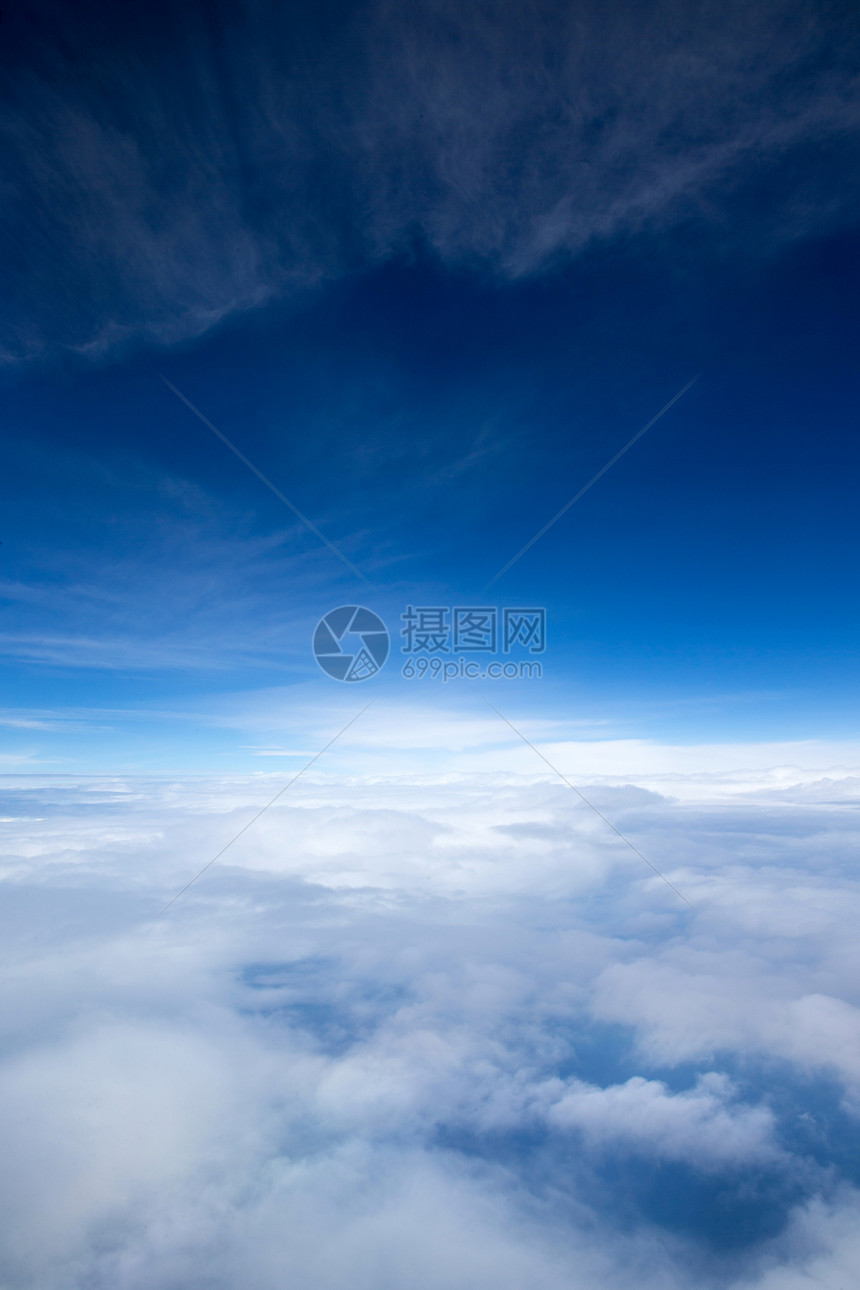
(428, 269)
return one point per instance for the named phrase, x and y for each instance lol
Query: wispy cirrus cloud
(203, 173)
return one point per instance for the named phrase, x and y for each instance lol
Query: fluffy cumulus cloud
(176, 166)
(436, 1031)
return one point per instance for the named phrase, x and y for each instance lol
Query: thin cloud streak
(304, 519)
(644, 122)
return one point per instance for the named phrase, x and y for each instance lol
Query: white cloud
(820, 1249)
(379, 1041)
(696, 1126)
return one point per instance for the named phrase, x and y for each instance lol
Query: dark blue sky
(429, 294)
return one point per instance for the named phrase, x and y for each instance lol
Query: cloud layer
(441, 1032)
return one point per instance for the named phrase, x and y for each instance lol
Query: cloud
(824, 1247)
(712, 1010)
(431, 1031)
(695, 1126)
(170, 183)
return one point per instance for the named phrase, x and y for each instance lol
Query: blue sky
(430, 424)
(429, 1022)
(431, 374)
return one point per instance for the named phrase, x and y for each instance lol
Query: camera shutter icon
(351, 643)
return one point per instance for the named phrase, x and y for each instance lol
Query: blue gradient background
(428, 409)
(430, 425)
